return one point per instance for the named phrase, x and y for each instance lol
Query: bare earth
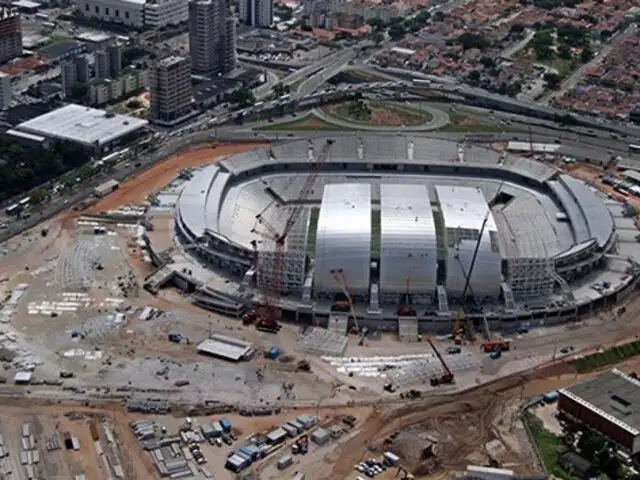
(135, 190)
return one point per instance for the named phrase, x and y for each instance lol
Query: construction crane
(447, 378)
(266, 312)
(341, 280)
(405, 309)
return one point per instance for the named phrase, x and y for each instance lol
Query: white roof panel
(408, 251)
(464, 207)
(343, 238)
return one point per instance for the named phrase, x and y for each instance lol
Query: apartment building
(170, 90)
(5, 90)
(10, 34)
(113, 89)
(212, 33)
(256, 13)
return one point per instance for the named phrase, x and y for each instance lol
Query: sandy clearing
(136, 189)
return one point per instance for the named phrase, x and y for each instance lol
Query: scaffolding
(322, 342)
(530, 277)
(292, 271)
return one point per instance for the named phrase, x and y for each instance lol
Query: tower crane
(341, 280)
(266, 312)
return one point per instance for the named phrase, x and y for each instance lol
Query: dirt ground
(136, 189)
(380, 115)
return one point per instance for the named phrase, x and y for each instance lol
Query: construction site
(146, 383)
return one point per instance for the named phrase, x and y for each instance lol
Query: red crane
(341, 280)
(266, 313)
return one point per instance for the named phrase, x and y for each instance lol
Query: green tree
(564, 51)
(542, 52)
(552, 80)
(590, 444)
(397, 31)
(471, 40)
(586, 55)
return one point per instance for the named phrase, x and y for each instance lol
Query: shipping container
(285, 462)
(226, 425)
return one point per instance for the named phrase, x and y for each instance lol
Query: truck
(496, 354)
(301, 445)
(502, 345)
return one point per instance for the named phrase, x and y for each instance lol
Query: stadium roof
(83, 125)
(613, 395)
(464, 208)
(408, 250)
(343, 236)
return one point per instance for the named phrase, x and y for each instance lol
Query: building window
(126, 14)
(106, 11)
(117, 12)
(86, 7)
(97, 9)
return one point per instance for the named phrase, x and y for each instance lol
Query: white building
(5, 90)
(105, 91)
(136, 13)
(125, 12)
(160, 13)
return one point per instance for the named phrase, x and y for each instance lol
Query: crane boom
(338, 275)
(263, 228)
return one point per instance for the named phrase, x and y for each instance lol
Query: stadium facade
(404, 220)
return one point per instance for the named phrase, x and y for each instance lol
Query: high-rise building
(230, 58)
(101, 64)
(10, 34)
(69, 76)
(170, 90)
(5, 90)
(82, 69)
(211, 38)
(257, 13)
(115, 60)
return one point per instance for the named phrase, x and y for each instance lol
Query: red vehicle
(497, 345)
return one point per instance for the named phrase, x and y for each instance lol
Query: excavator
(445, 379)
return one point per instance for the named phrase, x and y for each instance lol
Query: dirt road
(135, 190)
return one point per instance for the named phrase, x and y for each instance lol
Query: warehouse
(609, 404)
(94, 129)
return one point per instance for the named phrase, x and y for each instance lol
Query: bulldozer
(303, 366)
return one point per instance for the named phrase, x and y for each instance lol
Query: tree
(242, 97)
(542, 52)
(590, 444)
(564, 52)
(487, 62)
(377, 24)
(586, 55)
(553, 80)
(397, 31)
(471, 40)
(79, 91)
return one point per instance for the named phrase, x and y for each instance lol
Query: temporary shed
(307, 421)
(226, 347)
(237, 463)
(23, 378)
(284, 462)
(292, 432)
(297, 426)
(278, 435)
(320, 436)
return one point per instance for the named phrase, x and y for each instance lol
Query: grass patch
(547, 444)
(462, 124)
(307, 123)
(312, 235)
(403, 115)
(609, 356)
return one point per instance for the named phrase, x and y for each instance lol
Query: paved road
(312, 83)
(439, 119)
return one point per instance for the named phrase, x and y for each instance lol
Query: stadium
(402, 226)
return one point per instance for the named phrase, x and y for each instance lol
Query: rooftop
(170, 61)
(614, 395)
(87, 126)
(464, 207)
(225, 347)
(59, 49)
